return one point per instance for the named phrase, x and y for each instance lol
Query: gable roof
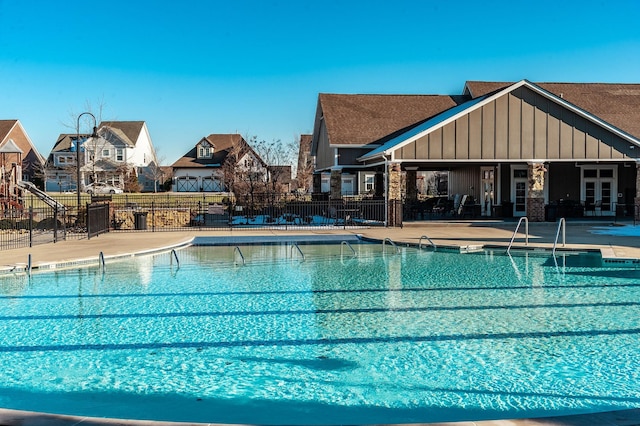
(222, 144)
(64, 141)
(5, 128)
(617, 104)
(374, 119)
(12, 131)
(131, 129)
(490, 92)
(10, 147)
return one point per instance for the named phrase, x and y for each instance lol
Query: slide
(41, 195)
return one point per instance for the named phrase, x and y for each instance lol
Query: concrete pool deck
(579, 235)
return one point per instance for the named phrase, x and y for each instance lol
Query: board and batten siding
(325, 155)
(520, 125)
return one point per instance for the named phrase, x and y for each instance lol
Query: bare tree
(279, 156)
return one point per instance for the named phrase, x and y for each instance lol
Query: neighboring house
(216, 164)
(304, 170)
(520, 146)
(16, 148)
(121, 148)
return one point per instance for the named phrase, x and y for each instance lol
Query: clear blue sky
(192, 68)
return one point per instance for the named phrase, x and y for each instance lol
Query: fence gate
(97, 219)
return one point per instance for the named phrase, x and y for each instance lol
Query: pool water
(418, 336)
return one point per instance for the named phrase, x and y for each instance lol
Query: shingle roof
(131, 129)
(222, 144)
(617, 104)
(63, 143)
(5, 128)
(374, 119)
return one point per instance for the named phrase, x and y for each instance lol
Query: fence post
(153, 216)
(55, 223)
(31, 224)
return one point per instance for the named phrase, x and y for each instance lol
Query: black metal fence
(160, 216)
(97, 219)
(28, 226)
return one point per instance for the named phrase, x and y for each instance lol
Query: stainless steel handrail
(295, 245)
(346, 243)
(515, 232)
(390, 242)
(561, 224)
(428, 239)
(237, 249)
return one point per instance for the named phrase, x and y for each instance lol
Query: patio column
(535, 200)
(336, 184)
(394, 195)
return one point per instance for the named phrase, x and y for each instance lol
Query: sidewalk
(579, 235)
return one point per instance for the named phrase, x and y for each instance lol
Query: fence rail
(38, 223)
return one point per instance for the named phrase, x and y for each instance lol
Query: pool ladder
(424, 237)
(562, 224)
(346, 243)
(237, 250)
(526, 232)
(174, 255)
(295, 246)
(388, 240)
(103, 266)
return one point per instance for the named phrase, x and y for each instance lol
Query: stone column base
(535, 209)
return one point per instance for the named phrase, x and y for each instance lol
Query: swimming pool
(380, 337)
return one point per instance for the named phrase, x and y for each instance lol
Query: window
(520, 173)
(119, 154)
(106, 153)
(369, 182)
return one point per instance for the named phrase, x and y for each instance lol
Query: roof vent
(561, 95)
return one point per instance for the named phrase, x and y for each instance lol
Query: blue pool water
(418, 336)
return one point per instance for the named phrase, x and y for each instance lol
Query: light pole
(93, 134)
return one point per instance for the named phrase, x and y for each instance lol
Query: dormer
(204, 150)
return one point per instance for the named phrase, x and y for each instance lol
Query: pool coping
(608, 254)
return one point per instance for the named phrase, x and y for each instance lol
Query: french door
(599, 189)
(519, 190)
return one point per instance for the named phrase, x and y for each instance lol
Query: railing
(294, 245)
(388, 240)
(97, 219)
(561, 225)
(237, 250)
(346, 243)
(174, 255)
(515, 232)
(103, 266)
(424, 237)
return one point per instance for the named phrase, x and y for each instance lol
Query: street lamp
(94, 134)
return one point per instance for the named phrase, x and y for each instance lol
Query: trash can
(140, 221)
(551, 212)
(507, 209)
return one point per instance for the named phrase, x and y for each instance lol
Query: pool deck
(462, 234)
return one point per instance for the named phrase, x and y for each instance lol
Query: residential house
(216, 164)
(12, 134)
(119, 149)
(304, 170)
(19, 161)
(515, 148)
